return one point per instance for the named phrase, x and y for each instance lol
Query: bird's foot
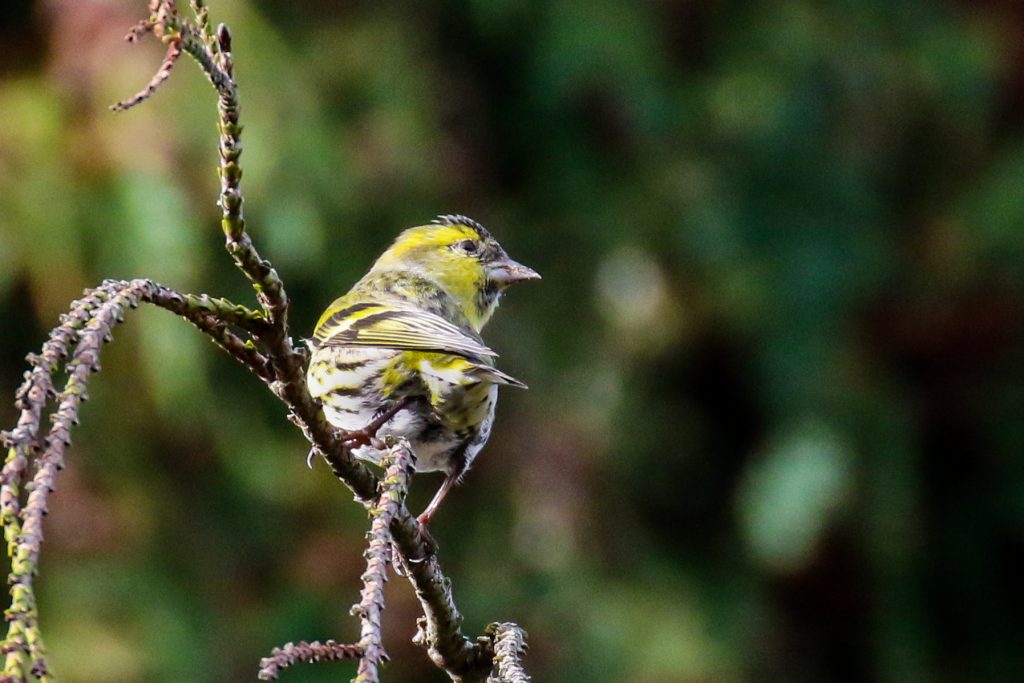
(358, 438)
(367, 436)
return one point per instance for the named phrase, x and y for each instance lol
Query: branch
(394, 488)
(304, 653)
(23, 636)
(212, 52)
(87, 326)
(213, 317)
(31, 397)
(173, 52)
(509, 648)
(440, 628)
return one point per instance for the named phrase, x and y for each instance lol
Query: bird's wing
(396, 327)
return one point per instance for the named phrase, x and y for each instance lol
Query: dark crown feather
(458, 219)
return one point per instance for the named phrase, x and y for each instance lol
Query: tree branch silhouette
(259, 339)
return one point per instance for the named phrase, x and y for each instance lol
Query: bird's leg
(426, 515)
(366, 435)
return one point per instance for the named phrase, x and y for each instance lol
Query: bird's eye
(468, 246)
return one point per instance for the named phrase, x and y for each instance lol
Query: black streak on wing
(415, 331)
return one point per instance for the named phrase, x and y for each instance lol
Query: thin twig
(303, 653)
(509, 648)
(161, 76)
(88, 324)
(23, 636)
(31, 397)
(212, 317)
(135, 33)
(394, 488)
(24, 443)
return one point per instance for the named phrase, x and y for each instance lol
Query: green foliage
(776, 368)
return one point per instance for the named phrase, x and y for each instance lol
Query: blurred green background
(776, 415)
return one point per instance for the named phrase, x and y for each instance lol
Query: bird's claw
(367, 436)
(359, 438)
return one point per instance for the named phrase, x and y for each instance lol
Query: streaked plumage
(406, 337)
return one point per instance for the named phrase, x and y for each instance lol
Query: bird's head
(463, 258)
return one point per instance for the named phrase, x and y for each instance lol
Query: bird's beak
(507, 271)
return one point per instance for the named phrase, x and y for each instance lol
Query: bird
(401, 353)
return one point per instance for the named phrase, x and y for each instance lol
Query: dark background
(776, 415)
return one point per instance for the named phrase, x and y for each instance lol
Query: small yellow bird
(401, 353)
